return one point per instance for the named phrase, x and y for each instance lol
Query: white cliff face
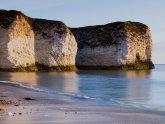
(101, 56)
(139, 46)
(114, 45)
(20, 47)
(17, 44)
(45, 44)
(25, 42)
(54, 45)
(3, 48)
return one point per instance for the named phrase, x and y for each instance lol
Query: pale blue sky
(75, 13)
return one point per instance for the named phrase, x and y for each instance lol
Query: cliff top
(7, 17)
(91, 36)
(43, 26)
(117, 25)
(105, 35)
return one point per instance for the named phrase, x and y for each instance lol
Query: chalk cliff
(28, 44)
(16, 40)
(119, 45)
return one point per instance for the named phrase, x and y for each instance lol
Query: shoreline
(27, 106)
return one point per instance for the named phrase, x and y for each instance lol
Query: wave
(101, 101)
(35, 89)
(20, 85)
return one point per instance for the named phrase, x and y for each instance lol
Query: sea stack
(118, 45)
(28, 44)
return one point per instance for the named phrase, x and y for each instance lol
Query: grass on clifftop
(8, 17)
(106, 35)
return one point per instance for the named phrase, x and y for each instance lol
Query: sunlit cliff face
(27, 42)
(114, 45)
(20, 43)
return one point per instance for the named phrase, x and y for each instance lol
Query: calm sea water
(129, 89)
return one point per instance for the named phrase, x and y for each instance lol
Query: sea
(142, 90)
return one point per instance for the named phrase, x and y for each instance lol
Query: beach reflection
(131, 86)
(62, 81)
(21, 77)
(119, 88)
(138, 74)
(138, 86)
(127, 85)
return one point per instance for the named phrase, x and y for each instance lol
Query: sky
(78, 13)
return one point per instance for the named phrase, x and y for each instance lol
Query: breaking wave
(23, 86)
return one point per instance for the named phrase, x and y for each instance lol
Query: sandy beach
(24, 106)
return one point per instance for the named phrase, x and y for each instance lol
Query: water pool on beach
(142, 90)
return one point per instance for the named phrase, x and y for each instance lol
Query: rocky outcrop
(119, 45)
(55, 45)
(35, 44)
(16, 40)
(28, 44)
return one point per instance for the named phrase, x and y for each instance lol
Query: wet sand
(24, 106)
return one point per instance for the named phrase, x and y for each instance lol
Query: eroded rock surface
(35, 44)
(16, 40)
(119, 45)
(28, 44)
(54, 44)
